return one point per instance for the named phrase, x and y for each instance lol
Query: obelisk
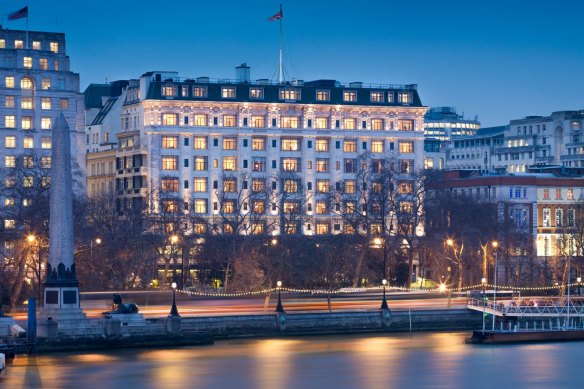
(61, 285)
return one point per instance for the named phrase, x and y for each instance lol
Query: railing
(531, 306)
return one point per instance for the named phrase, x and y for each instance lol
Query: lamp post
(173, 241)
(579, 280)
(279, 307)
(173, 309)
(97, 243)
(384, 301)
(495, 246)
(32, 239)
(484, 284)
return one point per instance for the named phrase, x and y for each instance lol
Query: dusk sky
(498, 59)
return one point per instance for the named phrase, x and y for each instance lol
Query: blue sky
(498, 59)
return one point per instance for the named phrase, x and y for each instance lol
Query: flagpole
(27, 46)
(281, 73)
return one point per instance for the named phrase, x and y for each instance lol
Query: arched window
(26, 83)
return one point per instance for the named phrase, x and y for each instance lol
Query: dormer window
(404, 98)
(228, 92)
(350, 96)
(322, 95)
(377, 97)
(256, 93)
(289, 94)
(200, 91)
(169, 90)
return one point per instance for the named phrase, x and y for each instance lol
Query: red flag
(277, 16)
(20, 14)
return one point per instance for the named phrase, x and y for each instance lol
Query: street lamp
(495, 246)
(31, 239)
(484, 284)
(380, 243)
(579, 280)
(384, 301)
(173, 242)
(97, 243)
(173, 309)
(279, 307)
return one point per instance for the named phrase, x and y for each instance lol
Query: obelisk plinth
(61, 285)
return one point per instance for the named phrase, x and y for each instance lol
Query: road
(217, 306)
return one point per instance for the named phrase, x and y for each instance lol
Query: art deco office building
(203, 147)
(36, 84)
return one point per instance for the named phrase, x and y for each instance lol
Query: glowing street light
(495, 245)
(173, 309)
(484, 284)
(279, 307)
(384, 301)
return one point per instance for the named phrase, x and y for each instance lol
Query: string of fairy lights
(440, 289)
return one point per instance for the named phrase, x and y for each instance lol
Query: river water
(422, 360)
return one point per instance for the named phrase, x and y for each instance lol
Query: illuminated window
(10, 161)
(322, 228)
(405, 125)
(200, 163)
(169, 119)
(322, 165)
(289, 122)
(28, 182)
(10, 142)
(200, 120)
(9, 202)
(258, 164)
(349, 124)
(169, 90)
(322, 95)
(258, 206)
(169, 162)
(9, 82)
(200, 228)
(322, 145)
(290, 144)
(291, 186)
(27, 62)
(321, 208)
(376, 97)
(258, 121)
(258, 144)
(200, 184)
(350, 146)
(377, 124)
(350, 96)
(27, 162)
(46, 123)
(229, 185)
(170, 142)
(322, 186)
(54, 47)
(228, 120)
(184, 91)
(200, 207)
(46, 162)
(46, 103)
(406, 165)
(19, 44)
(230, 143)
(291, 207)
(404, 97)
(228, 93)
(26, 83)
(406, 147)
(26, 103)
(377, 146)
(258, 185)
(63, 104)
(200, 143)
(45, 83)
(570, 194)
(9, 224)
(289, 94)
(9, 102)
(321, 123)
(558, 194)
(26, 122)
(559, 217)
(46, 143)
(9, 121)
(290, 164)
(200, 91)
(10, 182)
(36, 45)
(2, 44)
(428, 163)
(546, 217)
(229, 164)
(169, 184)
(256, 93)
(350, 186)
(170, 206)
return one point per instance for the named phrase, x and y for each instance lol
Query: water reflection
(437, 360)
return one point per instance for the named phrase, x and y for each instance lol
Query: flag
(20, 14)
(277, 16)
